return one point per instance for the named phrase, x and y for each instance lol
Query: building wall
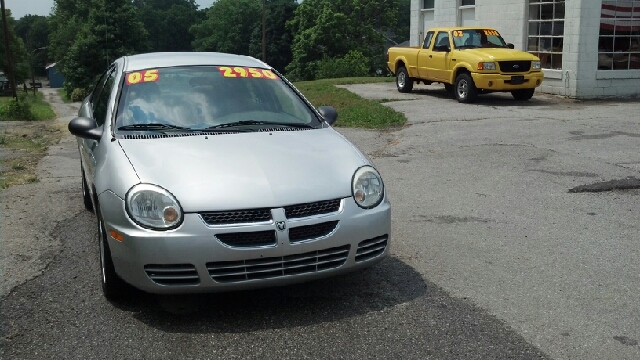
(579, 76)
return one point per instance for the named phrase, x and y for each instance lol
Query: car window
(199, 97)
(98, 88)
(102, 101)
(427, 40)
(442, 39)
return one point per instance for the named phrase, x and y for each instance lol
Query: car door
(97, 109)
(424, 55)
(438, 67)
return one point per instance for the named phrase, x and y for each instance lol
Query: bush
(16, 110)
(354, 64)
(79, 94)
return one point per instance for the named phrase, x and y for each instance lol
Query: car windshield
(477, 38)
(207, 97)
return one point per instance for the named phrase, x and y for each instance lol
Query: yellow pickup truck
(468, 61)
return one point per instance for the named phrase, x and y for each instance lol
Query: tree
(279, 38)
(34, 32)
(18, 52)
(168, 23)
(333, 28)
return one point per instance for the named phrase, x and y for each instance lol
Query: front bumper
(191, 259)
(501, 82)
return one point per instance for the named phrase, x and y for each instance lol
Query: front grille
(369, 249)
(273, 267)
(514, 66)
(309, 209)
(248, 239)
(309, 232)
(173, 275)
(236, 217)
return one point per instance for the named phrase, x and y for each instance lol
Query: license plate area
(517, 80)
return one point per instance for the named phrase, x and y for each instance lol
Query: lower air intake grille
(173, 275)
(248, 239)
(267, 268)
(309, 232)
(369, 249)
(309, 209)
(236, 216)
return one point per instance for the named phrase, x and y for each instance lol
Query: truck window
(427, 40)
(442, 39)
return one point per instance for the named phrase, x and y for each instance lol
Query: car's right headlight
(153, 207)
(367, 187)
(535, 65)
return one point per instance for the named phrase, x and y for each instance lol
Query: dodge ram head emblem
(281, 225)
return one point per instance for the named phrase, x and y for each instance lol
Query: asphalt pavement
(492, 256)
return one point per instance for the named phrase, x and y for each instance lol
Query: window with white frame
(619, 42)
(467, 12)
(428, 4)
(546, 32)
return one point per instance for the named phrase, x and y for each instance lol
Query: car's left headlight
(535, 65)
(153, 207)
(367, 187)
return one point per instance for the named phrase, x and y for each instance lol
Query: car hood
(500, 54)
(247, 170)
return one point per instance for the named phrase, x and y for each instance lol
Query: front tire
(523, 95)
(465, 91)
(86, 195)
(404, 83)
(112, 286)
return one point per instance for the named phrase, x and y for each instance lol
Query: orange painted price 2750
(142, 76)
(244, 72)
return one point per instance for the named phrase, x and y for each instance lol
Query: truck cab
(468, 61)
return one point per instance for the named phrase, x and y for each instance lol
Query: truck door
(423, 55)
(439, 57)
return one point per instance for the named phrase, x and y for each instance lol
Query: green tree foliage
(168, 23)
(353, 64)
(34, 32)
(279, 38)
(89, 34)
(332, 28)
(18, 51)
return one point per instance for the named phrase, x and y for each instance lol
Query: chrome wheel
(402, 79)
(462, 88)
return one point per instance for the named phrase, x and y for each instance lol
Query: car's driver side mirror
(85, 127)
(511, 46)
(329, 114)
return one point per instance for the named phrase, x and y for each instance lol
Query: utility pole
(7, 47)
(264, 31)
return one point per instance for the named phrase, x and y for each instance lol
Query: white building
(588, 48)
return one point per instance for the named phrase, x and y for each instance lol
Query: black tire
(449, 88)
(113, 287)
(404, 83)
(86, 194)
(465, 89)
(523, 95)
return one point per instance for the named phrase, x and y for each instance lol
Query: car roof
(170, 59)
(461, 28)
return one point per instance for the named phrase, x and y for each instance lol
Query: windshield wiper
(254, 122)
(152, 127)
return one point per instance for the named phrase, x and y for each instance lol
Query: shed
(56, 79)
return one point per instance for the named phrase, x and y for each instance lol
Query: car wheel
(403, 81)
(86, 195)
(523, 95)
(112, 286)
(465, 91)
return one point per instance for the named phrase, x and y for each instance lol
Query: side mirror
(511, 46)
(444, 48)
(85, 127)
(329, 114)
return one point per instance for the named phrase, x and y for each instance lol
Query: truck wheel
(403, 81)
(523, 95)
(466, 91)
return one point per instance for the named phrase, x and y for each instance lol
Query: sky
(20, 8)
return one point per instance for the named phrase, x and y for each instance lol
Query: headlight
(486, 66)
(367, 187)
(153, 207)
(536, 65)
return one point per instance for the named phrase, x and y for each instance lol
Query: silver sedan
(211, 172)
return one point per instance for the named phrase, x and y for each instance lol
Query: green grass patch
(63, 95)
(39, 109)
(353, 111)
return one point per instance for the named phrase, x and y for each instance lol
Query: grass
(40, 109)
(63, 95)
(353, 110)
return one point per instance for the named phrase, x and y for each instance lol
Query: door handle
(430, 56)
(453, 59)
